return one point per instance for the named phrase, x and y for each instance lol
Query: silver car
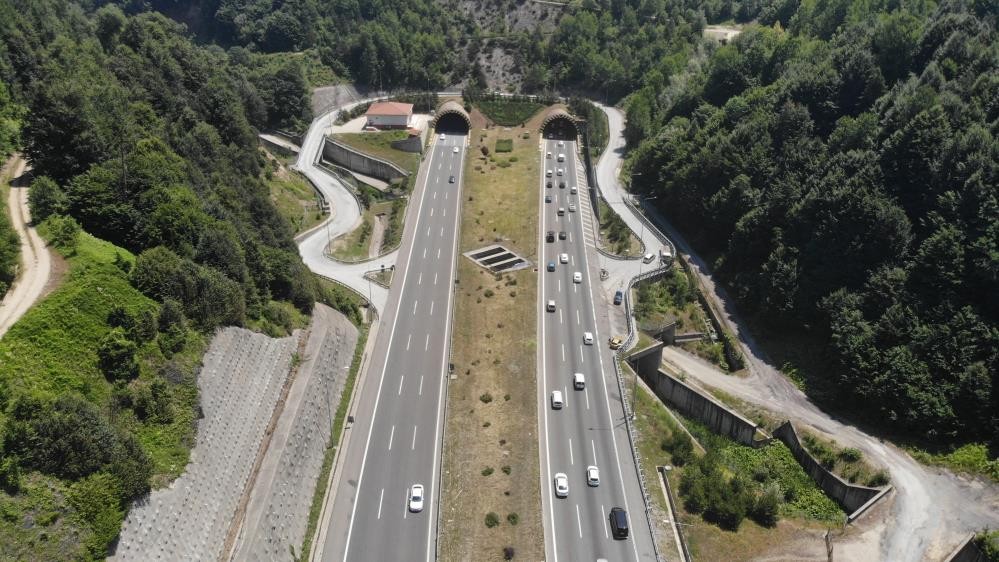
(561, 485)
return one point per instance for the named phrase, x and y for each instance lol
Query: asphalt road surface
(588, 430)
(403, 392)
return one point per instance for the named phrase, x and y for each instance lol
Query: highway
(588, 430)
(396, 442)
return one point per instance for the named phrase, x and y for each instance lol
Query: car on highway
(548, 198)
(559, 172)
(572, 190)
(561, 211)
(619, 523)
(450, 179)
(578, 381)
(442, 136)
(548, 184)
(455, 150)
(416, 498)
(618, 297)
(648, 258)
(572, 207)
(551, 266)
(548, 173)
(616, 342)
(577, 277)
(548, 155)
(561, 485)
(557, 402)
(561, 185)
(563, 257)
(560, 143)
(561, 157)
(550, 237)
(593, 476)
(561, 235)
(587, 338)
(551, 305)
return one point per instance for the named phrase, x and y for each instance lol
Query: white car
(416, 498)
(561, 485)
(593, 476)
(455, 150)
(559, 171)
(442, 136)
(560, 143)
(548, 155)
(551, 305)
(557, 402)
(578, 381)
(577, 277)
(572, 207)
(563, 257)
(587, 338)
(548, 173)
(572, 190)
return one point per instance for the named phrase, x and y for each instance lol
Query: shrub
(504, 145)
(851, 454)
(680, 447)
(506, 469)
(489, 293)
(513, 518)
(506, 397)
(116, 356)
(487, 471)
(766, 506)
(486, 398)
(492, 520)
(878, 479)
(508, 553)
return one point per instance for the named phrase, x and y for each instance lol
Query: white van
(551, 305)
(572, 190)
(578, 381)
(587, 338)
(557, 402)
(648, 258)
(561, 157)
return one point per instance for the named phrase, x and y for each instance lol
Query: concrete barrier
(854, 498)
(410, 144)
(343, 155)
(696, 404)
(967, 551)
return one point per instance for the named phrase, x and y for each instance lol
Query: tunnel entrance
(452, 118)
(559, 125)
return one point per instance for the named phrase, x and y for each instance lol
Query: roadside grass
(508, 113)
(504, 145)
(10, 246)
(846, 462)
(51, 351)
(973, 458)
(494, 348)
(379, 144)
(319, 493)
(294, 199)
(615, 235)
(802, 520)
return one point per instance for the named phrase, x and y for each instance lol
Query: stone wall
(410, 144)
(695, 404)
(343, 155)
(851, 496)
(967, 551)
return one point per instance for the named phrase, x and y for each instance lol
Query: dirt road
(36, 262)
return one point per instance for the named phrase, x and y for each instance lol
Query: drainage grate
(497, 259)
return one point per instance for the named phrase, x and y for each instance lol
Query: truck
(665, 255)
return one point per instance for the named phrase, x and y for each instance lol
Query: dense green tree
(46, 198)
(116, 356)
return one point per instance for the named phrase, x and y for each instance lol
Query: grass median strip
(491, 497)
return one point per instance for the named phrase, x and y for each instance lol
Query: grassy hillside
(52, 352)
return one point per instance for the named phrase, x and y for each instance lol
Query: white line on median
(577, 317)
(563, 353)
(420, 392)
(401, 379)
(582, 357)
(431, 308)
(408, 339)
(413, 446)
(426, 344)
(391, 438)
(438, 253)
(604, 519)
(571, 460)
(380, 498)
(579, 522)
(593, 448)
(435, 278)
(420, 280)
(416, 302)
(431, 214)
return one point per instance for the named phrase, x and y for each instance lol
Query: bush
(878, 479)
(766, 506)
(506, 469)
(504, 145)
(46, 198)
(851, 454)
(513, 518)
(116, 356)
(680, 446)
(98, 505)
(64, 232)
(487, 471)
(508, 553)
(486, 398)
(492, 520)
(489, 293)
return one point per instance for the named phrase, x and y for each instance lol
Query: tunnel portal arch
(559, 124)
(451, 117)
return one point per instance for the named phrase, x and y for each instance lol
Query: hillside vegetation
(845, 159)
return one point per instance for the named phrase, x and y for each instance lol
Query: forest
(839, 165)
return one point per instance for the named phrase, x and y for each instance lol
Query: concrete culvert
(558, 124)
(451, 117)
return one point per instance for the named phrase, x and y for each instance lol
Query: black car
(619, 523)
(450, 179)
(548, 183)
(561, 235)
(618, 297)
(548, 198)
(561, 185)
(551, 236)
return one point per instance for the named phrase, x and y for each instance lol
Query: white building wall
(401, 121)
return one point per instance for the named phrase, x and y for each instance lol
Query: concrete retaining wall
(345, 156)
(695, 404)
(412, 144)
(851, 496)
(967, 551)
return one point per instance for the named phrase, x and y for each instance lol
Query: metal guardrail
(685, 552)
